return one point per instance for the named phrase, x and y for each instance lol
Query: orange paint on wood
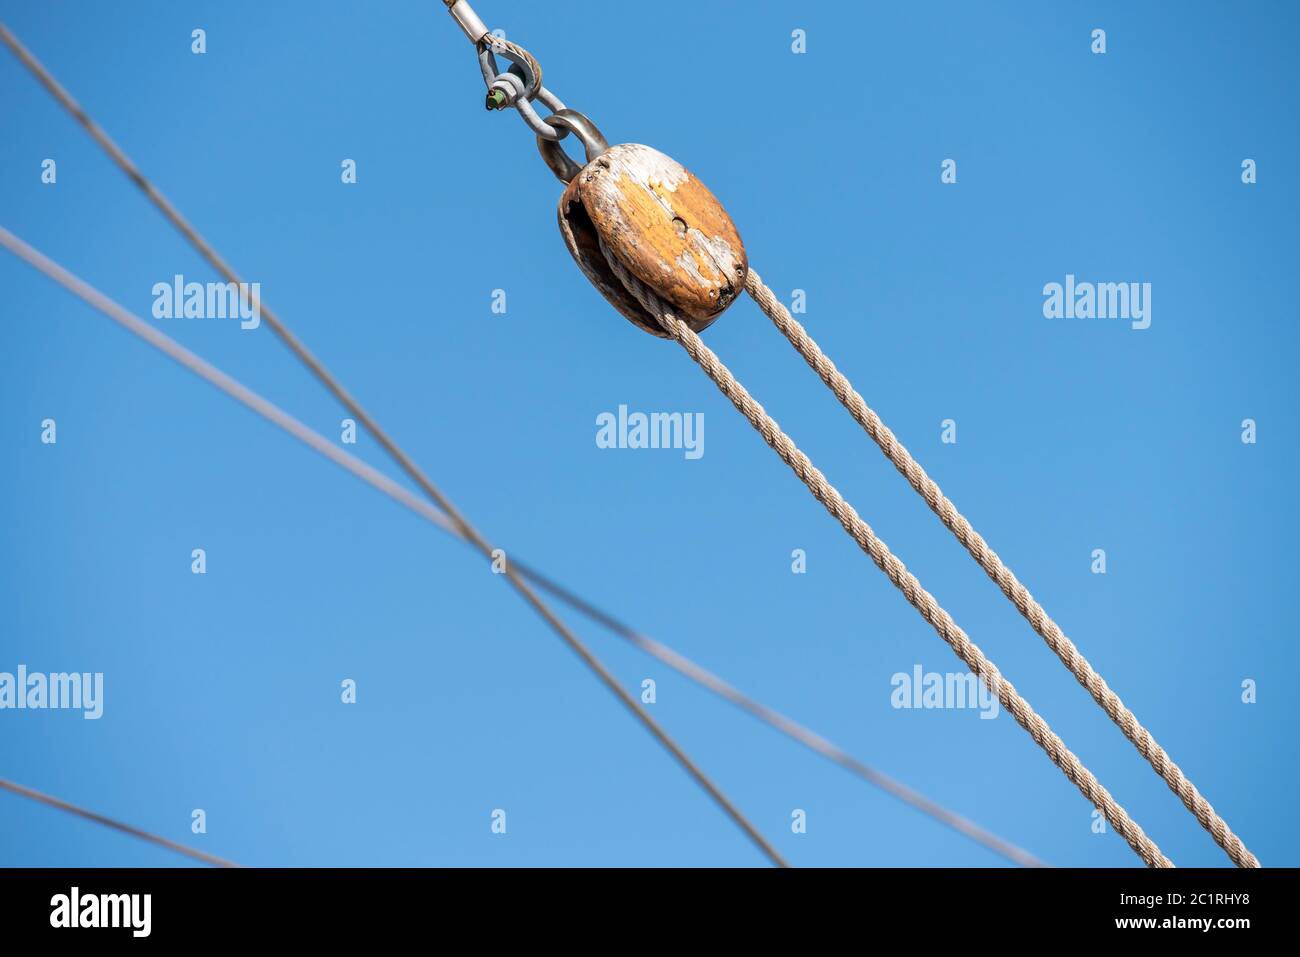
(663, 225)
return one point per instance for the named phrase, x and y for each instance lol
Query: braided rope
(897, 572)
(1000, 573)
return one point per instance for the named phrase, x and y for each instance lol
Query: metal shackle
(566, 122)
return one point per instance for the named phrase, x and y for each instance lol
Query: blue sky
(222, 690)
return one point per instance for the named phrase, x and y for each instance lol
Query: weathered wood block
(663, 225)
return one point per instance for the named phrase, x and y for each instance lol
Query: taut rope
(50, 801)
(897, 573)
(988, 559)
(417, 475)
(424, 509)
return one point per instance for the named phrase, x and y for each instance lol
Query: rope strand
(407, 464)
(62, 805)
(894, 569)
(987, 559)
(673, 659)
(787, 726)
(182, 355)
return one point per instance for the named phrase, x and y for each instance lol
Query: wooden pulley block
(662, 224)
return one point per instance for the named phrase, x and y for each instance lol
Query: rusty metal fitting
(564, 122)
